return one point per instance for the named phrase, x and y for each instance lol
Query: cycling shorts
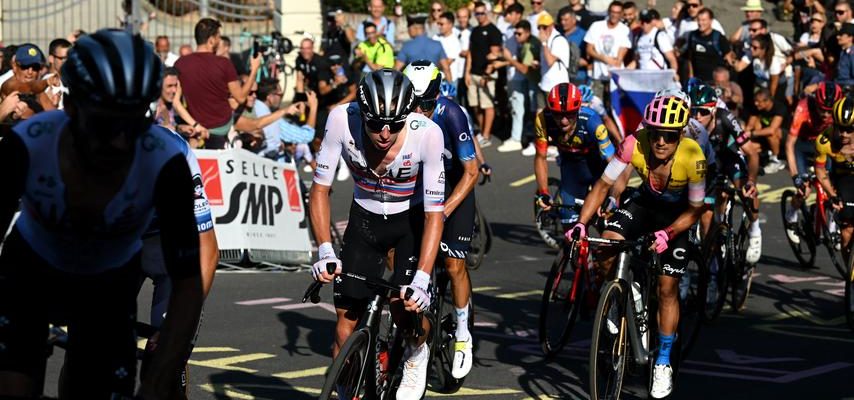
(367, 241)
(577, 174)
(844, 186)
(99, 310)
(459, 227)
(636, 217)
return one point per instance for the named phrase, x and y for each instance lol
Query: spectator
(845, 67)
(463, 25)
(12, 107)
(678, 13)
(512, 15)
(843, 13)
(813, 36)
(630, 17)
(522, 53)
(27, 65)
(339, 36)
(764, 127)
(752, 11)
(782, 52)
(585, 18)
(574, 34)
(208, 80)
(653, 48)
(707, 48)
(607, 43)
(57, 53)
(809, 59)
(767, 68)
(728, 91)
(375, 52)
(163, 48)
(384, 26)
(449, 37)
(308, 65)
(8, 59)
(337, 83)
(437, 8)
(537, 10)
(224, 48)
(269, 118)
(803, 12)
(422, 47)
(554, 57)
(185, 50)
(500, 9)
(72, 37)
(170, 113)
(691, 23)
(486, 44)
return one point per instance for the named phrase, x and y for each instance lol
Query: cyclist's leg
(804, 152)
(101, 357)
(576, 177)
(626, 223)
(674, 261)
(405, 233)
(26, 290)
(456, 243)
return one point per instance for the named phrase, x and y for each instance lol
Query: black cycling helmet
(113, 69)
(386, 97)
(703, 96)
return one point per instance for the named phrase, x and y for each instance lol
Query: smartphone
(340, 71)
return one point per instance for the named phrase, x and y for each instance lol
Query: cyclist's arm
(327, 160)
(740, 140)
(695, 166)
(620, 184)
(433, 169)
(791, 139)
(173, 200)
(208, 246)
(541, 165)
(464, 150)
(612, 173)
(613, 130)
(14, 162)
(822, 148)
(824, 179)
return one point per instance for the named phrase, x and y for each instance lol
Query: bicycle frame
(820, 200)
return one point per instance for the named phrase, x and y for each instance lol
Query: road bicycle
(625, 328)
(725, 249)
(548, 222)
(813, 227)
(370, 363)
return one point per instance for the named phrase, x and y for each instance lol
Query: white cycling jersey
(401, 185)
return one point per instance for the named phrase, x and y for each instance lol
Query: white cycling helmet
(674, 92)
(425, 77)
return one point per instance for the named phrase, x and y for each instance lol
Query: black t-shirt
(482, 37)
(585, 18)
(706, 52)
(311, 69)
(328, 75)
(766, 116)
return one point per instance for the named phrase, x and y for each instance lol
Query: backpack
(716, 42)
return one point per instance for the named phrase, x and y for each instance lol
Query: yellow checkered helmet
(668, 112)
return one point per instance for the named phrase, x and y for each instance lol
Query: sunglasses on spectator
(701, 111)
(519, 33)
(668, 136)
(840, 12)
(754, 30)
(34, 67)
(479, 14)
(816, 19)
(693, 5)
(59, 58)
(437, 10)
(370, 32)
(253, 93)
(377, 126)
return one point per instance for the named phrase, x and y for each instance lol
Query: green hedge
(409, 6)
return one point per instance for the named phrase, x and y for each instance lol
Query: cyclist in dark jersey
(461, 171)
(89, 179)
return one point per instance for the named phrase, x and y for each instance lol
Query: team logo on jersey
(151, 143)
(415, 124)
(37, 129)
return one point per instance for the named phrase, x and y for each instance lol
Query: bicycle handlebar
(313, 291)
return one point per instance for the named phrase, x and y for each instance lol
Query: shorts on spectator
(479, 96)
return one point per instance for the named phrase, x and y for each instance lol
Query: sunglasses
(34, 67)
(840, 12)
(378, 125)
(694, 5)
(754, 30)
(437, 10)
(668, 136)
(559, 116)
(253, 93)
(518, 33)
(479, 14)
(701, 111)
(755, 47)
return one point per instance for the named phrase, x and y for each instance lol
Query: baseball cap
(29, 54)
(649, 15)
(847, 29)
(335, 59)
(416, 19)
(545, 19)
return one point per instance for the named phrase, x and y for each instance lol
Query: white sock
(463, 324)
(791, 214)
(754, 229)
(773, 158)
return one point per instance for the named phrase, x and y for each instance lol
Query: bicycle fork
(636, 324)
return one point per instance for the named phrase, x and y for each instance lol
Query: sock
(664, 349)
(773, 158)
(463, 324)
(754, 229)
(791, 214)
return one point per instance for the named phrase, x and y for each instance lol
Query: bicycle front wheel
(831, 240)
(348, 376)
(562, 298)
(849, 293)
(609, 349)
(742, 272)
(804, 246)
(717, 263)
(692, 302)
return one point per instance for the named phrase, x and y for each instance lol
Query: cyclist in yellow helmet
(837, 144)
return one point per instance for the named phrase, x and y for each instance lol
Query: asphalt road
(259, 342)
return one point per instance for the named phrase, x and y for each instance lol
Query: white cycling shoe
(414, 380)
(462, 358)
(754, 249)
(662, 381)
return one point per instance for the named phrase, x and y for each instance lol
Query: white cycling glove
(326, 255)
(420, 295)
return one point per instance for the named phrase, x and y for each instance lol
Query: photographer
(339, 36)
(26, 70)
(276, 130)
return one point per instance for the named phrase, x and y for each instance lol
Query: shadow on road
(318, 334)
(234, 384)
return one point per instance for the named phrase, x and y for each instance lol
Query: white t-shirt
(607, 41)
(453, 46)
(5, 77)
(763, 73)
(556, 73)
(650, 56)
(465, 36)
(61, 90)
(688, 25)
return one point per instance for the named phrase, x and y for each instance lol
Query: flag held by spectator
(632, 90)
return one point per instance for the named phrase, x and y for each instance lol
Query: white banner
(257, 206)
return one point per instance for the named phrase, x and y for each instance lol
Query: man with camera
(26, 73)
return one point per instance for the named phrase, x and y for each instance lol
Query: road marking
(782, 278)
(486, 324)
(731, 357)
(789, 330)
(227, 363)
(516, 295)
(231, 392)
(258, 302)
(485, 289)
(796, 312)
(474, 392)
(301, 374)
(300, 306)
(213, 349)
(523, 181)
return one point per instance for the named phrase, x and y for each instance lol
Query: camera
(272, 43)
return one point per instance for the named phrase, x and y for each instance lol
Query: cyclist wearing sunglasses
(731, 146)
(813, 116)
(461, 173)
(79, 236)
(396, 158)
(670, 200)
(584, 148)
(837, 144)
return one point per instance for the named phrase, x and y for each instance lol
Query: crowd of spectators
(499, 59)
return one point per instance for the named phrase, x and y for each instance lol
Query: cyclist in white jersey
(396, 158)
(89, 179)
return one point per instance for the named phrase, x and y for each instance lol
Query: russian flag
(632, 90)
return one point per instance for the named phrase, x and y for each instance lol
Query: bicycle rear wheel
(849, 294)
(831, 240)
(717, 263)
(741, 272)
(479, 241)
(348, 376)
(609, 349)
(805, 248)
(444, 338)
(692, 304)
(563, 297)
